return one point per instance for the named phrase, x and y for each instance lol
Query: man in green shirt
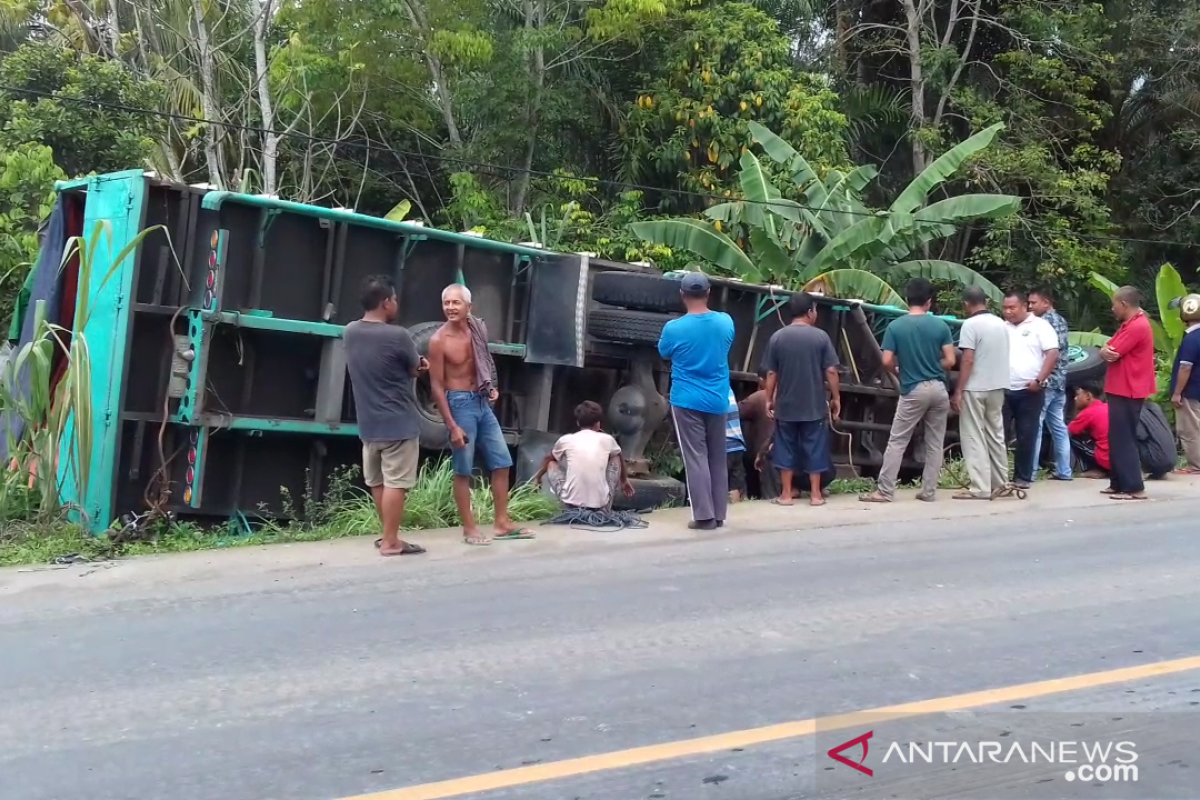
(919, 348)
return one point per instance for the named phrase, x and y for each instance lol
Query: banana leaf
(1169, 286)
(779, 151)
(936, 270)
(1087, 338)
(915, 194)
(855, 284)
(1103, 284)
(696, 237)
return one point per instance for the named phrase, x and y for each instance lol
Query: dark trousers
(702, 443)
(1023, 410)
(1126, 473)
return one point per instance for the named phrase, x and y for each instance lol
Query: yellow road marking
(621, 759)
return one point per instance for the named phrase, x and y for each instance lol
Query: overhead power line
(512, 170)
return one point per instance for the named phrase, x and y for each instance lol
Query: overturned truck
(219, 382)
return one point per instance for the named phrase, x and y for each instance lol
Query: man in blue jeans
(1054, 408)
(463, 376)
(697, 344)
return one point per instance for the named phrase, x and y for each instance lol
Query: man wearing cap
(697, 345)
(1185, 385)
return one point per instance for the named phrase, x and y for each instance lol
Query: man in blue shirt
(1185, 385)
(697, 344)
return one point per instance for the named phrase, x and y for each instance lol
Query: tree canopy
(807, 141)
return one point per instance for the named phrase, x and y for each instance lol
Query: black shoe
(720, 523)
(703, 524)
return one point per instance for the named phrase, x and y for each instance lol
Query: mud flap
(558, 300)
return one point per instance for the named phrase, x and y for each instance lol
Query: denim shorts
(473, 414)
(802, 447)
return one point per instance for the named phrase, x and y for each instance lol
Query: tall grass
(349, 510)
(59, 419)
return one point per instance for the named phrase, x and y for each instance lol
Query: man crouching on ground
(586, 467)
(463, 376)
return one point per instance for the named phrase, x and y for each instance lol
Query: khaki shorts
(392, 465)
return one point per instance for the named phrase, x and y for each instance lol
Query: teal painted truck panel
(214, 200)
(112, 219)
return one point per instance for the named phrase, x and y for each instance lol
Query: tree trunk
(916, 78)
(534, 20)
(208, 92)
(266, 110)
(416, 15)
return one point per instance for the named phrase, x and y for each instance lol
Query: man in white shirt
(1032, 355)
(585, 468)
(983, 378)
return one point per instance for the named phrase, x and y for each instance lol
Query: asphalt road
(359, 677)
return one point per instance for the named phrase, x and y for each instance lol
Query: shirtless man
(463, 376)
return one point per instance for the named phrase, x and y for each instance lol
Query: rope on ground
(599, 521)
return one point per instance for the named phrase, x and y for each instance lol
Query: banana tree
(833, 242)
(1168, 328)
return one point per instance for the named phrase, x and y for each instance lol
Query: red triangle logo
(836, 753)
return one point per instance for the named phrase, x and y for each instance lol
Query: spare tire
(1084, 365)
(433, 432)
(637, 291)
(627, 327)
(651, 493)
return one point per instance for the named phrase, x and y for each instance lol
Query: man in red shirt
(1089, 432)
(1130, 380)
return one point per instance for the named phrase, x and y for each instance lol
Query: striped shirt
(735, 442)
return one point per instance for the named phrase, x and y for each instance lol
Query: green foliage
(706, 76)
(430, 504)
(832, 242)
(1168, 328)
(346, 510)
(1053, 151)
(570, 216)
(84, 139)
(27, 176)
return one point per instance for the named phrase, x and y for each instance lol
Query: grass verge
(347, 511)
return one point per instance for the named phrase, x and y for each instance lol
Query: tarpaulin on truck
(47, 285)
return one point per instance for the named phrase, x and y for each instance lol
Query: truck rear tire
(651, 493)
(627, 327)
(1087, 366)
(636, 291)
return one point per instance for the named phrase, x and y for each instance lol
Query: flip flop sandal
(873, 498)
(409, 549)
(516, 533)
(1187, 471)
(477, 541)
(775, 502)
(969, 496)
(1109, 491)
(1126, 497)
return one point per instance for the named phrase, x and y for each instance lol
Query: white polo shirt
(1028, 344)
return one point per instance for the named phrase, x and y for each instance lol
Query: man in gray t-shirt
(383, 361)
(799, 361)
(979, 396)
